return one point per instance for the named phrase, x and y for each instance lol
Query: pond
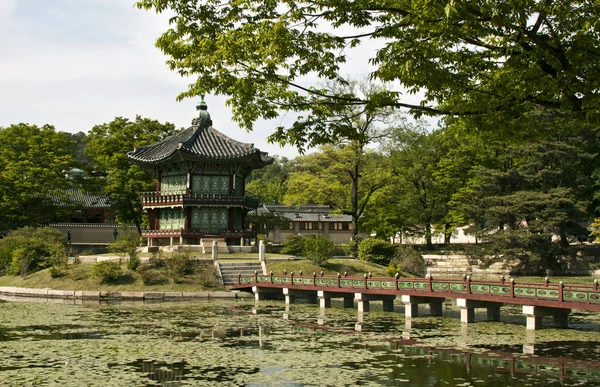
(243, 343)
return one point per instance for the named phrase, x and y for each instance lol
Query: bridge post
(363, 302)
(289, 298)
(264, 293)
(325, 298)
(364, 299)
(467, 309)
(411, 305)
(348, 302)
(535, 314)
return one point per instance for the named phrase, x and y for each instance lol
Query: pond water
(243, 343)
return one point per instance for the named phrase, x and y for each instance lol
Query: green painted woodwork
(170, 185)
(209, 219)
(594, 297)
(478, 288)
(171, 219)
(458, 287)
(263, 279)
(238, 185)
(420, 285)
(297, 281)
(237, 219)
(405, 285)
(358, 283)
(440, 286)
(547, 293)
(331, 282)
(524, 292)
(374, 284)
(570, 295)
(307, 281)
(321, 282)
(388, 284)
(502, 290)
(276, 280)
(210, 184)
(346, 283)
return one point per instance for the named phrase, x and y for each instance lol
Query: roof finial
(202, 108)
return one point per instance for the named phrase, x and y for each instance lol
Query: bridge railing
(546, 291)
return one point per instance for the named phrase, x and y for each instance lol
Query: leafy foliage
(293, 245)
(106, 271)
(177, 264)
(32, 179)
(128, 244)
(317, 248)
(513, 56)
(406, 259)
(30, 249)
(107, 146)
(375, 250)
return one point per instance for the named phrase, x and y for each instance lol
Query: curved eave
(254, 160)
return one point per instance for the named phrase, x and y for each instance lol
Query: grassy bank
(77, 277)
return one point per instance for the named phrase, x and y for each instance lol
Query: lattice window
(210, 184)
(172, 185)
(171, 219)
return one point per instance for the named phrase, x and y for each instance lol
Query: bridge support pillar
(325, 298)
(292, 294)
(265, 293)
(535, 314)
(364, 299)
(467, 309)
(411, 305)
(348, 302)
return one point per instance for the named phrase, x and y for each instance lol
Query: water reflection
(247, 343)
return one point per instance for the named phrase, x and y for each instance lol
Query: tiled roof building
(200, 192)
(310, 219)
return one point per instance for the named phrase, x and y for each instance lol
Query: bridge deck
(547, 294)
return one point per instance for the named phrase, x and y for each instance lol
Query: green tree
(344, 176)
(33, 161)
(107, 146)
(415, 154)
(270, 183)
(29, 249)
(476, 57)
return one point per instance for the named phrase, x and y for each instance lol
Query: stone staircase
(454, 264)
(231, 270)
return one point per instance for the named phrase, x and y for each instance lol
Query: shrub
(30, 249)
(177, 264)
(208, 277)
(407, 259)
(148, 275)
(341, 250)
(106, 271)
(317, 249)
(128, 245)
(376, 251)
(293, 245)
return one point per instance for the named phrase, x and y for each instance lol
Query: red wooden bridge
(538, 299)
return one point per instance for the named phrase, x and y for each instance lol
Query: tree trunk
(447, 234)
(354, 209)
(428, 243)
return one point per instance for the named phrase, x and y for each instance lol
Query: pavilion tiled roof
(79, 198)
(306, 213)
(200, 141)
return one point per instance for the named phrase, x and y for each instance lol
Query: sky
(79, 63)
